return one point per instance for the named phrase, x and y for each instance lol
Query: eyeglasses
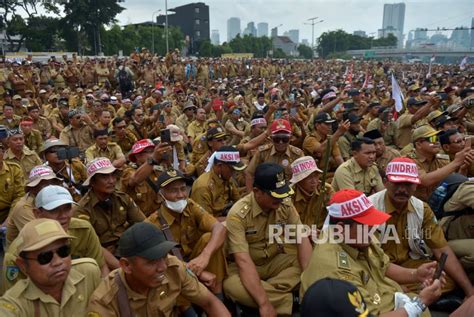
(458, 141)
(281, 139)
(46, 257)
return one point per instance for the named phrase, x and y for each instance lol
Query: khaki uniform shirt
(248, 228)
(127, 142)
(111, 221)
(388, 155)
(389, 130)
(213, 193)
(461, 227)
(267, 154)
(344, 144)
(139, 132)
(307, 205)
(351, 176)
(405, 129)
(240, 125)
(34, 141)
(431, 232)
(10, 123)
(142, 194)
(86, 245)
(364, 268)
(112, 152)
(312, 142)
(12, 182)
(183, 122)
(81, 282)
(82, 137)
(195, 128)
(20, 215)
(28, 160)
(187, 227)
(424, 167)
(159, 302)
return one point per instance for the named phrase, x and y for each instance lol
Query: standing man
(56, 285)
(421, 236)
(359, 172)
(261, 274)
(149, 281)
(17, 152)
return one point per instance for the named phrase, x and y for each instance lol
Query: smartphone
(165, 135)
(293, 112)
(274, 97)
(68, 153)
(441, 263)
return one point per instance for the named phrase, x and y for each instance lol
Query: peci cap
(353, 118)
(39, 233)
(424, 131)
(138, 147)
(373, 134)
(144, 240)
(52, 196)
(412, 101)
(323, 117)
(353, 204)
(333, 297)
(270, 177)
(100, 165)
(402, 170)
(39, 173)
(170, 176)
(280, 125)
(302, 168)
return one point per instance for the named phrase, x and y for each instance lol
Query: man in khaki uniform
(215, 139)
(351, 135)
(150, 279)
(18, 153)
(109, 211)
(33, 137)
(77, 133)
(417, 109)
(140, 176)
(12, 182)
(363, 263)
(103, 148)
(9, 119)
(385, 124)
(199, 234)
(122, 136)
(198, 126)
(433, 166)
(307, 186)
(383, 154)
(215, 190)
(262, 275)
(420, 239)
(184, 120)
(22, 212)
(55, 202)
(359, 172)
(279, 152)
(56, 286)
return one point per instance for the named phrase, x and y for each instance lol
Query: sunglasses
(281, 139)
(46, 257)
(432, 139)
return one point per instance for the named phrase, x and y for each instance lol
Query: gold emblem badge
(172, 173)
(280, 180)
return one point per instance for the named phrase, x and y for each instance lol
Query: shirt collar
(390, 208)
(256, 209)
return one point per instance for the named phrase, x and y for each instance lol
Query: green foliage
(340, 41)
(259, 46)
(278, 53)
(41, 34)
(305, 51)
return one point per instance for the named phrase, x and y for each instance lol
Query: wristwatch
(417, 301)
(151, 161)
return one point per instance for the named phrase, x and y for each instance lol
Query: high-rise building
(192, 19)
(393, 21)
(274, 32)
(233, 28)
(262, 29)
(460, 37)
(250, 29)
(360, 33)
(294, 36)
(215, 39)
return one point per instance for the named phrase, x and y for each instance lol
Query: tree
(305, 51)
(41, 34)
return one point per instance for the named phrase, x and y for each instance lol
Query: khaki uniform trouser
(464, 250)
(279, 277)
(217, 264)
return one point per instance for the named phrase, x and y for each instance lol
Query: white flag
(397, 95)
(463, 64)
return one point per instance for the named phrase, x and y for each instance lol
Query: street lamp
(153, 31)
(166, 26)
(313, 23)
(372, 38)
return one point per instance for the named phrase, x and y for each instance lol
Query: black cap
(170, 176)
(353, 118)
(323, 117)
(373, 134)
(270, 177)
(215, 133)
(442, 120)
(416, 102)
(353, 92)
(144, 240)
(335, 298)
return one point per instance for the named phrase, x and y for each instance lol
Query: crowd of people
(150, 186)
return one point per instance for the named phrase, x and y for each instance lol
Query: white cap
(302, 168)
(51, 197)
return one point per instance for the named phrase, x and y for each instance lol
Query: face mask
(177, 206)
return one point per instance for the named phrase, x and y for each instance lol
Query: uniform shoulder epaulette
(442, 156)
(79, 223)
(265, 147)
(343, 260)
(244, 211)
(411, 155)
(13, 164)
(296, 150)
(81, 261)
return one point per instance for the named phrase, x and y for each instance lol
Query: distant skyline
(363, 15)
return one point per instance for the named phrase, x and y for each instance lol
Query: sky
(349, 15)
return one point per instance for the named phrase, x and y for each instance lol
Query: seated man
(55, 202)
(215, 190)
(383, 154)
(199, 234)
(103, 148)
(150, 281)
(56, 286)
(359, 260)
(360, 172)
(261, 274)
(421, 238)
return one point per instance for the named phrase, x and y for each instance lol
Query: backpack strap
(122, 298)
